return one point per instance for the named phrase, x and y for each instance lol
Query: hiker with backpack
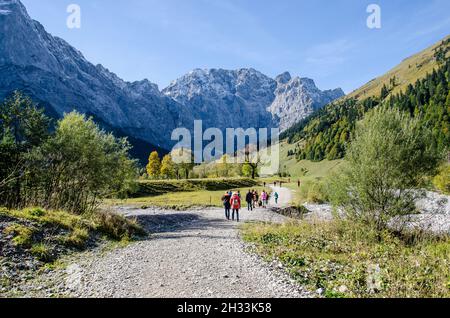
(276, 196)
(226, 199)
(264, 199)
(249, 200)
(235, 205)
(255, 199)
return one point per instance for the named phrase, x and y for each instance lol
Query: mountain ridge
(58, 76)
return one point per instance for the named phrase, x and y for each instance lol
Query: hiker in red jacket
(235, 205)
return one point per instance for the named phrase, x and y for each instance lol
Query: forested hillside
(325, 134)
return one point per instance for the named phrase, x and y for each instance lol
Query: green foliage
(326, 133)
(247, 170)
(22, 128)
(314, 191)
(84, 164)
(442, 180)
(71, 168)
(441, 52)
(339, 257)
(387, 160)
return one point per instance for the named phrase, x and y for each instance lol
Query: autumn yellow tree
(154, 165)
(167, 167)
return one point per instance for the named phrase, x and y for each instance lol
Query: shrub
(117, 227)
(77, 238)
(387, 161)
(442, 180)
(314, 191)
(80, 165)
(42, 252)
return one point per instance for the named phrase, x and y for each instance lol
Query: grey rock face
(59, 77)
(226, 99)
(53, 72)
(297, 98)
(249, 97)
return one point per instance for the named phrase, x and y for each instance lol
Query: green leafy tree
(247, 170)
(23, 127)
(80, 165)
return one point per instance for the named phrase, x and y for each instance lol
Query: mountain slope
(325, 134)
(224, 98)
(407, 72)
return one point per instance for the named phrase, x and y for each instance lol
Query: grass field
(159, 187)
(183, 194)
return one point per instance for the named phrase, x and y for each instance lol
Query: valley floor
(190, 254)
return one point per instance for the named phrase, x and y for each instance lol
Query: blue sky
(326, 40)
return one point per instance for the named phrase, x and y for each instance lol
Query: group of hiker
(232, 202)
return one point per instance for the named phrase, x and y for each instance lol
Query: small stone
(343, 289)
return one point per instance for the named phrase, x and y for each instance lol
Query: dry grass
(39, 231)
(349, 260)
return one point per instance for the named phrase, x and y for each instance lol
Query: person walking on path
(255, 199)
(249, 200)
(235, 205)
(264, 199)
(226, 199)
(276, 196)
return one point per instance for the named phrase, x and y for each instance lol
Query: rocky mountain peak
(283, 78)
(297, 98)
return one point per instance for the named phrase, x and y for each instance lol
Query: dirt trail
(194, 254)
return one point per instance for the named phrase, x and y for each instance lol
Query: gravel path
(193, 254)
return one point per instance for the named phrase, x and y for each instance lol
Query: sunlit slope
(407, 72)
